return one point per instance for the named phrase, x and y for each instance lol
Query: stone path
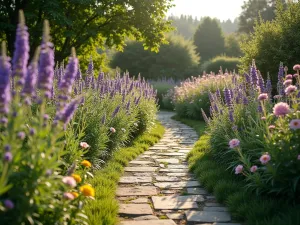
(157, 188)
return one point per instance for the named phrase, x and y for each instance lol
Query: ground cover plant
(58, 127)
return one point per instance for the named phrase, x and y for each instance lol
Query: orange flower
(87, 190)
(76, 177)
(86, 163)
(75, 194)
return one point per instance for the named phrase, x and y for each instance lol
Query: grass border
(104, 209)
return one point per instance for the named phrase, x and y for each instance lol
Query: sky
(221, 9)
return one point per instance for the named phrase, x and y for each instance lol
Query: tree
(232, 46)
(79, 23)
(209, 39)
(251, 11)
(178, 59)
(274, 41)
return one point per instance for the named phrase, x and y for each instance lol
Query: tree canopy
(79, 23)
(251, 11)
(178, 59)
(209, 39)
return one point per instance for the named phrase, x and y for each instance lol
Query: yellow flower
(76, 177)
(75, 194)
(86, 163)
(87, 190)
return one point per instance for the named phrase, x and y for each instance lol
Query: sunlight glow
(221, 9)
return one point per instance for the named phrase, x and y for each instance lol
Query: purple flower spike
(46, 63)
(269, 86)
(228, 97)
(8, 204)
(7, 157)
(117, 109)
(30, 80)
(21, 53)
(67, 113)
(103, 119)
(65, 85)
(5, 94)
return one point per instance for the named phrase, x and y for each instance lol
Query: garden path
(157, 189)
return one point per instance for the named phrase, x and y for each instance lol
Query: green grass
(104, 209)
(228, 189)
(198, 125)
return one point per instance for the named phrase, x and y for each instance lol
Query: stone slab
(171, 161)
(150, 217)
(132, 180)
(204, 217)
(197, 191)
(174, 170)
(171, 154)
(178, 174)
(139, 200)
(135, 209)
(184, 151)
(158, 148)
(175, 216)
(137, 162)
(144, 174)
(178, 167)
(215, 209)
(137, 191)
(167, 178)
(148, 222)
(225, 224)
(141, 169)
(181, 184)
(172, 203)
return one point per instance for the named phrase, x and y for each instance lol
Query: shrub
(272, 42)
(177, 59)
(226, 63)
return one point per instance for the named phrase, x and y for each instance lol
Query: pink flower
(296, 67)
(113, 130)
(234, 143)
(281, 109)
(238, 169)
(263, 118)
(287, 82)
(84, 145)
(295, 124)
(69, 196)
(298, 157)
(253, 169)
(70, 181)
(290, 89)
(263, 96)
(264, 159)
(296, 75)
(271, 127)
(289, 76)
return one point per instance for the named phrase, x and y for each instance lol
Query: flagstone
(215, 209)
(168, 202)
(135, 209)
(174, 170)
(148, 222)
(181, 184)
(172, 161)
(140, 169)
(137, 191)
(167, 178)
(200, 191)
(129, 180)
(203, 216)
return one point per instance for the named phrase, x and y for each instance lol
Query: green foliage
(207, 35)
(271, 42)
(104, 209)
(226, 63)
(186, 25)
(232, 46)
(79, 24)
(177, 59)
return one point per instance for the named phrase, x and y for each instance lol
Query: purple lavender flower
(46, 64)
(66, 113)
(261, 83)
(103, 119)
(231, 116)
(117, 109)
(204, 116)
(65, 85)
(128, 105)
(7, 157)
(78, 75)
(5, 94)
(228, 97)
(8, 204)
(21, 53)
(7, 148)
(30, 80)
(253, 72)
(269, 86)
(21, 135)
